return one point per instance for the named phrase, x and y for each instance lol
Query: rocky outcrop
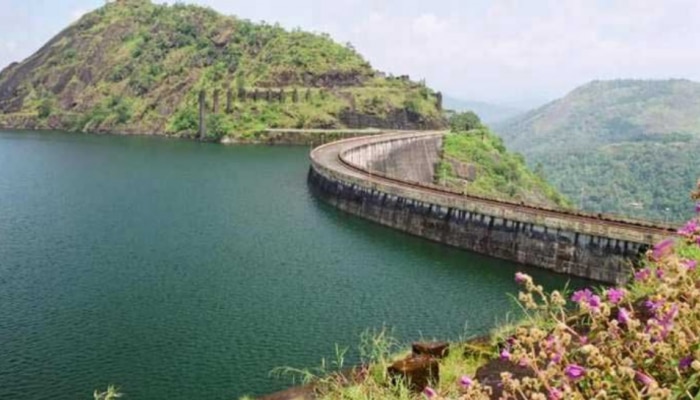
(402, 119)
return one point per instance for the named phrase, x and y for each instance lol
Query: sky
(516, 52)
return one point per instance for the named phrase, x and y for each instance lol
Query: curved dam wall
(355, 175)
(411, 158)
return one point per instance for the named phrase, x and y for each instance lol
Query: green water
(181, 270)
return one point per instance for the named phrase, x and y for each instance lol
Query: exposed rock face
(397, 119)
(136, 67)
(464, 171)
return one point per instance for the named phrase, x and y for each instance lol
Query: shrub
(185, 120)
(94, 118)
(635, 342)
(464, 121)
(218, 126)
(45, 108)
(121, 108)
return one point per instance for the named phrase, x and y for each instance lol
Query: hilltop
(622, 146)
(132, 66)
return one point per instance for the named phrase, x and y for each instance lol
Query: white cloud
(516, 49)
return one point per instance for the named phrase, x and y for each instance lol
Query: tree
(464, 121)
(44, 108)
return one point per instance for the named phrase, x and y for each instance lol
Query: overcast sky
(500, 51)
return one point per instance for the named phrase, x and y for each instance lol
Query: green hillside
(136, 67)
(626, 146)
(475, 161)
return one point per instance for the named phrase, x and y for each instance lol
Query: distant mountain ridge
(489, 113)
(132, 66)
(621, 146)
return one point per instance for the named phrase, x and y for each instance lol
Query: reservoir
(179, 270)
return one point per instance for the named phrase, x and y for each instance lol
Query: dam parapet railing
(595, 246)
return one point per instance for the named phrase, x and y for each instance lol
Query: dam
(388, 179)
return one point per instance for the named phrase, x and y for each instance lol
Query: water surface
(181, 270)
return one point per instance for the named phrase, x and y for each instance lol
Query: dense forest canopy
(626, 146)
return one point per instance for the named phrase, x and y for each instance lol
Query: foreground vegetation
(132, 66)
(627, 147)
(639, 341)
(476, 161)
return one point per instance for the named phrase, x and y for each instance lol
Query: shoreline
(269, 137)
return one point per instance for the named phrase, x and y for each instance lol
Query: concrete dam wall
(378, 179)
(411, 158)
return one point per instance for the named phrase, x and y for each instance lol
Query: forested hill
(134, 66)
(623, 146)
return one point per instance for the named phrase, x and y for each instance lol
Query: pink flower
(697, 207)
(429, 392)
(549, 342)
(465, 381)
(690, 264)
(581, 296)
(642, 274)
(644, 379)
(615, 295)
(556, 357)
(505, 354)
(520, 278)
(586, 296)
(653, 306)
(689, 229)
(623, 316)
(659, 273)
(555, 394)
(667, 320)
(574, 372)
(662, 248)
(685, 362)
